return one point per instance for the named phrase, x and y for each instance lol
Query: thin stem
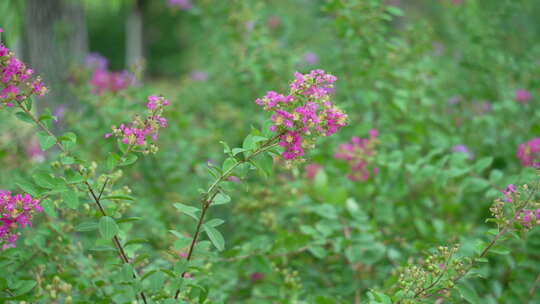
(532, 291)
(492, 243)
(211, 194)
(97, 198)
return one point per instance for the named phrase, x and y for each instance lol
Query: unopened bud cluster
(416, 280)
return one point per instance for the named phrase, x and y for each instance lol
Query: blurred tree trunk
(135, 34)
(55, 37)
(77, 38)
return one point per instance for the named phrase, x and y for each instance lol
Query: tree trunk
(55, 37)
(134, 35)
(77, 38)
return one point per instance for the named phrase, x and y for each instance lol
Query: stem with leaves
(96, 197)
(211, 193)
(507, 227)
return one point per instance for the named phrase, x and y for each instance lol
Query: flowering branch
(97, 198)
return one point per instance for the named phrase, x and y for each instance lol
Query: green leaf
(228, 164)
(135, 241)
(130, 159)
(24, 287)
(221, 199)
(215, 237)
(71, 199)
(189, 210)
(28, 188)
(215, 222)
(45, 180)
(107, 227)
(24, 117)
(317, 251)
(119, 197)
(69, 140)
(482, 164)
(128, 219)
(237, 150)
(112, 161)
(73, 177)
(86, 226)
(45, 141)
(468, 293)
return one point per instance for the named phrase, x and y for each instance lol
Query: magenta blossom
(507, 193)
(304, 113)
(181, 4)
(522, 96)
(528, 153)
(256, 276)
(16, 211)
(16, 80)
(359, 154)
(139, 130)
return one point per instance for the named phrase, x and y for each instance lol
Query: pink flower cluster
(303, 114)
(359, 153)
(16, 79)
(15, 211)
(181, 4)
(104, 80)
(507, 193)
(530, 217)
(522, 96)
(137, 132)
(529, 153)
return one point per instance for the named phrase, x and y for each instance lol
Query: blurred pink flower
(522, 96)
(311, 170)
(181, 4)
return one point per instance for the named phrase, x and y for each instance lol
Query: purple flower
(463, 149)
(310, 58)
(96, 61)
(59, 113)
(234, 179)
(199, 75)
(508, 192)
(454, 100)
(256, 276)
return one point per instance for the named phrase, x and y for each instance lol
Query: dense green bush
(412, 202)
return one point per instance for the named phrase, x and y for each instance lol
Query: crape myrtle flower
(528, 153)
(305, 113)
(16, 79)
(16, 211)
(522, 96)
(137, 133)
(359, 154)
